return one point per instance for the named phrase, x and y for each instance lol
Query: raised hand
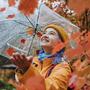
(21, 61)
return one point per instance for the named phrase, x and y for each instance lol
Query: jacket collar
(58, 56)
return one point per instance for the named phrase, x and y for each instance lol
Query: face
(49, 38)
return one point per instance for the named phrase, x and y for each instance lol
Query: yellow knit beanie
(62, 33)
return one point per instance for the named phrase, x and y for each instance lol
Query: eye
(44, 32)
(52, 33)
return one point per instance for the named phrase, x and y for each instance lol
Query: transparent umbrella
(14, 25)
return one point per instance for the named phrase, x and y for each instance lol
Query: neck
(48, 50)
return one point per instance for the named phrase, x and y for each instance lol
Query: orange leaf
(30, 31)
(11, 2)
(10, 51)
(10, 16)
(2, 9)
(28, 6)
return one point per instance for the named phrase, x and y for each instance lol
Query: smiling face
(49, 38)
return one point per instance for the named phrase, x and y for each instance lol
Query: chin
(46, 45)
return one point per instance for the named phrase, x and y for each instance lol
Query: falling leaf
(28, 6)
(29, 31)
(39, 34)
(2, 9)
(10, 16)
(10, 51)
(23, 41)
(11, 2)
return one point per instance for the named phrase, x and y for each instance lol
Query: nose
(44, 36)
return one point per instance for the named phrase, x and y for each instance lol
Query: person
(49, 70)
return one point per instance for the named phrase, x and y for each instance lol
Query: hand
(21, 60)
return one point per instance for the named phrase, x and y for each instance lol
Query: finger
(16, 56)
(23, 57)
(23, 60)
(19, 59)
(14, 61)
(30, 58)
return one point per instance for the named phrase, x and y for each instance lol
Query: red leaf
(10, 51)
(2, 9)
(11, 2)
(28, 6)
(23, 41)
(39, 34)
(10, 16)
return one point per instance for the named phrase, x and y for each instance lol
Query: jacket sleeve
(58, 79)
(31, 80)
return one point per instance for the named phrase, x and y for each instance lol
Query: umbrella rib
(37, 18)
(20, 23)
(16, 48)
(31, 45)
(29, 21)
(38, 13)
(32, 37)
(35, 29)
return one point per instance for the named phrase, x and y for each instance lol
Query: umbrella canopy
(14, 25)
(42, 16)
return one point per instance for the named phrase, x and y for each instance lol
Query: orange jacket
(35, 77)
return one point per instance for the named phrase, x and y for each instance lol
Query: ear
(59, 41)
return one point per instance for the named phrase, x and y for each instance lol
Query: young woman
(48, 71)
